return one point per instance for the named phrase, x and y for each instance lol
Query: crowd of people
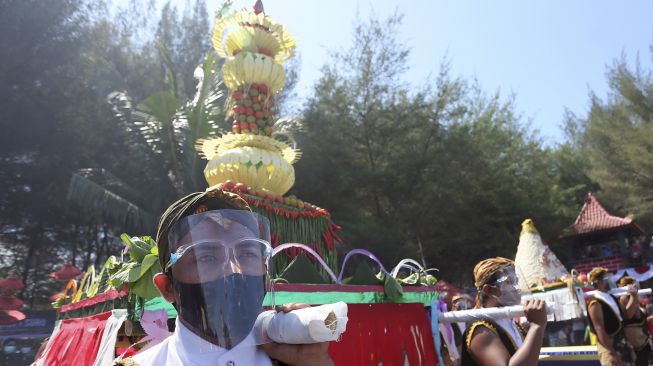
(618, 326)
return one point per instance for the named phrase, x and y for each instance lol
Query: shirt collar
(195, 350)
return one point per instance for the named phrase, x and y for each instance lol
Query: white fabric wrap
(317, 324)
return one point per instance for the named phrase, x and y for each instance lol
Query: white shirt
(186, 348)
(513, 332)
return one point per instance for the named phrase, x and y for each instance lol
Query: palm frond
(92, 195)
(286, 128)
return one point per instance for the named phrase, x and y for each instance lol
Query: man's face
(222, 250)
(602, 284)
(461, 304)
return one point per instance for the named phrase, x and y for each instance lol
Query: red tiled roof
(593, 217)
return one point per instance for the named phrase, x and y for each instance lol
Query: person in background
(605, 321)
(502, 342)
(635, 325)
(460, 302)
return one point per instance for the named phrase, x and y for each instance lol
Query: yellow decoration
(210, 147)
(252, 40)
(225, 27)
(252, 166)
(247, 68)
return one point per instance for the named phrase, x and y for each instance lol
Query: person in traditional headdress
(502, 342)
(635, 326)
(214, 252)
(460, 302)
(605, 321)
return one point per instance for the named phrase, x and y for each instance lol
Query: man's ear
(164, 285)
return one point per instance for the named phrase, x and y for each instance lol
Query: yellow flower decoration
(247, 68)
(247, 31)
(208, 148)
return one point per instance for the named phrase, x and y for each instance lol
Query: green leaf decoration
(392, 288)
(148, 263)
(302, 270)
(144, 287)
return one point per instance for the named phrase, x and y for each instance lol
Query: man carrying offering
(502, 342)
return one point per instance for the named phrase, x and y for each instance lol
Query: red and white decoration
(642, 273)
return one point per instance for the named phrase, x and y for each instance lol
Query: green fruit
(260, 123)
(247, 103)
(251, 119)
(256, 106)
(253, 92)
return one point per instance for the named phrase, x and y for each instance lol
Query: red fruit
(229, 185)
(254, 85)
(241, 187)
(238, 95)
(253, 127)
(278, 198)
(251, 191)
(259, 115)
(249, 111)
(243, 125)
(256, 100)
(263, 88)
(260, 194)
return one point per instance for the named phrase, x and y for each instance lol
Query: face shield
(607, 281)
(506, 280)
(219, 263)
(462, 303)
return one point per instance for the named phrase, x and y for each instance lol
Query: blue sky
(548, 54)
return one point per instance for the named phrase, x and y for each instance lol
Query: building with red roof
(599, 239)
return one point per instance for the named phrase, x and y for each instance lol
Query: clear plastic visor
(219, 263)
(507, 281)
(217, 243)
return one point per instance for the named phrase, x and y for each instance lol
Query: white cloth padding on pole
(317, 324)
(507, 312)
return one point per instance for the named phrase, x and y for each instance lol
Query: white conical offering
(535, 262)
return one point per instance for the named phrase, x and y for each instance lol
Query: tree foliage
(615, 139)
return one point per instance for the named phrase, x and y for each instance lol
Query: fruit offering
(252, 110)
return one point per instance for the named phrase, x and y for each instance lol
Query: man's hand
(298, 354)
(615, 359)
(535, 311)
(286, 308)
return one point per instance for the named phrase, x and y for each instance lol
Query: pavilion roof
(593, 217)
